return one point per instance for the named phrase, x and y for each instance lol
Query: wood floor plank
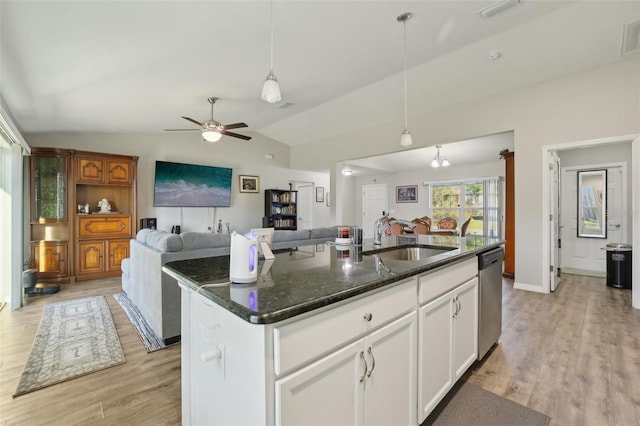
(573, 355)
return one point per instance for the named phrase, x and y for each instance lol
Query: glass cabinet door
(49, 186)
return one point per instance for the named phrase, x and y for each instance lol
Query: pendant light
(405, 139)
(437, 162)
(271, 88)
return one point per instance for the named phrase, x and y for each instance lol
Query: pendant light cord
(404, 25)
(271, 59)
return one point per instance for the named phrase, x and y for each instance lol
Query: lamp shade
(271, 89)
(211, 136)
(405, 139)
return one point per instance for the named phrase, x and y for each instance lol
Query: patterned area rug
(149, 338)
(75, 338)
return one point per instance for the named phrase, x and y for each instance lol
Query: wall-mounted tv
(190, 185)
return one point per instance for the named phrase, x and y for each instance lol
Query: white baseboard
(572, 271)
(530, 287)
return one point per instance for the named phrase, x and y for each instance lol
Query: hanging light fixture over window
(436, 160)
(405, 139)
(271, 88)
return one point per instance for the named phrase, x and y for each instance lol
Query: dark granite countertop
(318, 275)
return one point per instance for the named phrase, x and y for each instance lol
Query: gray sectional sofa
(157, 296)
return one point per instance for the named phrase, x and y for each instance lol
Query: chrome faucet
(379, 226)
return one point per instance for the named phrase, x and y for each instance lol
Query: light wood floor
(573, 355)
(143, 390)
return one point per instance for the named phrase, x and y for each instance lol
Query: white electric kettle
(243, 265)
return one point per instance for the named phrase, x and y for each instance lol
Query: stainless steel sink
(409, 253)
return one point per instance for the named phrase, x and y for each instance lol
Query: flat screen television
(191, 185)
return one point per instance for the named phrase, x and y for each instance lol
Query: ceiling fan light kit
(211, 136)
(271, 87)
(212, 130)
(405, 139)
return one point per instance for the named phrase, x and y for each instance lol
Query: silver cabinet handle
(368, 316)
(459, 305)
(373, 362)
(455, 310)
(365, 366)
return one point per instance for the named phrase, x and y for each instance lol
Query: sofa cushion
(143, 233)
(283, 235)
(163, 241)
(200, 240)
(328, 232)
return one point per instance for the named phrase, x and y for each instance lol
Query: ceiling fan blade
(194, 121)
(182, 130)
(235, 135)
(234, 126)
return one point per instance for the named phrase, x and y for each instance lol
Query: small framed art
(249, 183)
(319, 194)
(407, 194)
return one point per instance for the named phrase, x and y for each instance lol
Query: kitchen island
(330, 335)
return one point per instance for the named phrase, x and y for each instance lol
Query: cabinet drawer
(308, 338)
(97, 226)
(440, 281)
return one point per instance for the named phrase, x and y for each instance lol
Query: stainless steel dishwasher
(490, 299)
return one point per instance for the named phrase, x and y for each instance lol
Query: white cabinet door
(327, 392)
(435, 340)
(390, 385)
(465, 327)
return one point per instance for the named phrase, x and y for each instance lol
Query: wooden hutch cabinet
(68, 242)
(102, 239)
(50, 232)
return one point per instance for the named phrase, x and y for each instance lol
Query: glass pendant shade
(436, 162)
(405, 139)
(271, 89)
(211, 136)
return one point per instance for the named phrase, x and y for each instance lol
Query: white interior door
(556, 196)
(374, 202)
(305, 204)
(586, 255)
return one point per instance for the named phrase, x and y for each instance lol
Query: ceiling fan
(212, 130)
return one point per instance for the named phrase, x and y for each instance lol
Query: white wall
(244, 157)
(409, 211)
(600, 103)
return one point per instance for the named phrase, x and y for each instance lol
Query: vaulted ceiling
(137, 66)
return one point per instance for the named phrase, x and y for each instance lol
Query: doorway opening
(633, 220)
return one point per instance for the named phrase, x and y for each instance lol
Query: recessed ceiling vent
(631, 37)
(496, 8)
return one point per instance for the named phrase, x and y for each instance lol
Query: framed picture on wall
(319, 194)
(407, 194)
(249, 183)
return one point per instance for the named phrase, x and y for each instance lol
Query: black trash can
(619, 265)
